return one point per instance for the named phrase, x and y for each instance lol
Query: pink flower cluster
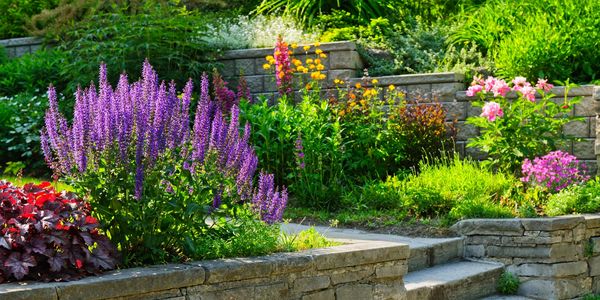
(554, 171)
(491, 111)
(499, 87)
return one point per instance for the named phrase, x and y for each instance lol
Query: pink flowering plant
(518, 120)
(553, 171)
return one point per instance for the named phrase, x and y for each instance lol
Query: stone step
(424, 252)
(462, 280)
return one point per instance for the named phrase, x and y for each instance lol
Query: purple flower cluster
(140, 122)
(267, 200)
(554, 171)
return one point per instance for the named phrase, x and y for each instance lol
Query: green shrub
(21, 119)
(508, 283)
(3, 55)
(466, 189)
(553, 39)
(32, 73)
(16, 13)
(575, 199)
(303, 240)
(167, 40)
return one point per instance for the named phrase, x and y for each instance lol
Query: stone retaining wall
(343, 62)
(555, 258)
(372, 270)
(20, 46)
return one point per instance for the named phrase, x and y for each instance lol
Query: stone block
(587, 108)
(474, 251)
(245, 66)
(245, 293)
(351, 274)
(28, 290)
(358, 254)
(132, 282)
(391, 270)
(354, 291)
(224, 270)
(284, 263)
(255, 83)
(551, 270)
(228, 68)
(313, 283)
(22, 50)
(465, 131)
(259, 62)
(596, 285)
(390, 291)
(595, 244)
(564, 288)
(537, 252)
(584, 149)
(322, 295)
(550, 224)
(446, 92)
(343, 74)
(473, 111)
(594, 265)
(594, 126)
(421, 92)
(345, 60)
(172, 294)
(493, 227)
(272, 291)
(455, 110)
(578, 128)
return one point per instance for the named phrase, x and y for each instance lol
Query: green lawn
(59, 186)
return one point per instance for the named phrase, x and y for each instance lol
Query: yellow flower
(391, 87)
(352, 103)
(309, 61)
(266, 66)
(317, 44)
(294, 46)
(320, 67)
(317, 61)
(336, 81)
(358, 85)
(318, 51)
(304, 70)
(296, 62)
(363, 102)
(311, 66)
(323, 55)
(374, 81)
(322, 76)
(306, 48)
(342, 113)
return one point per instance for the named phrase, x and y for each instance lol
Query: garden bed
(347, 271)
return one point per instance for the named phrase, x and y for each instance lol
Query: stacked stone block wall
(373, 270)
(20, 46)
(555, 258)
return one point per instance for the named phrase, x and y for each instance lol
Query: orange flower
(358, 85)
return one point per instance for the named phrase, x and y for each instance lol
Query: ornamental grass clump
(554, 171)
(159, 182)
(47, 235)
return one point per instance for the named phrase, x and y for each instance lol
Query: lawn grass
(20, 181)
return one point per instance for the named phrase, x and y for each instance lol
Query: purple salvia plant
(142, 122)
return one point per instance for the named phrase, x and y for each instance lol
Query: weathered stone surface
(506, 227)
(474, 251)
(343, 74)
(578, 128)
(245, 67)
(354, 291)
(345, 60)
(594, 265)
(584, 149)
(28, 290)
(172, 294)
(446, 91)
(391, 271)
(321, 295)
(255, 83)
(595, 244)
(236, 269)
(358, 254)
(390, 291)
(272, 291)
(245, 293)
(465, 131)
(551, 270)
(351, 275)
(550, 224)
(131, 282)
(312, 283)
(228, 68)
(587, 107)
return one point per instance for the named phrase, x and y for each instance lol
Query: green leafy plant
(512, 130)
(15, 15)
(575, 199)
(304, 240)
(508, 283)
(32, 73)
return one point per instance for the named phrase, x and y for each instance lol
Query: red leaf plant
(46, 235)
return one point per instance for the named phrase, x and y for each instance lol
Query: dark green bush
(32, 73)
(169, 41)
(508, 283)
(555, 39)
(16, 13)
(21, 119)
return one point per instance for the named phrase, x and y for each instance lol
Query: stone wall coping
(559, 91)
(24, 41)
(408, 79)
(262, 52)
(127, 282)
(517, 226)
